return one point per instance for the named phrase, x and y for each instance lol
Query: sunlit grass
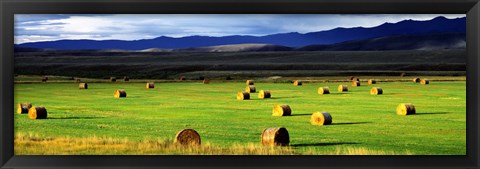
(31, 144)
(362, 123)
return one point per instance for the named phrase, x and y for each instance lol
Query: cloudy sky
(34, 28)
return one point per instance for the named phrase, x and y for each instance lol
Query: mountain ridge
(435, 41)
(290, 39)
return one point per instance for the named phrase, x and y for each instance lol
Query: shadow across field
(431, 113)
(301, 114)
(66, 118)
(322, 144)
(349, 123)
(343, 93)
(291, 97)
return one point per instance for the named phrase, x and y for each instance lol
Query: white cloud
(33, 28)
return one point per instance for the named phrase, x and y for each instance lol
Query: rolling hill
(434, 41)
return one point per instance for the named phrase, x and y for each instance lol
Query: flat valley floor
(93, 122)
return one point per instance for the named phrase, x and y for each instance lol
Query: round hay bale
(281, 110)
(424, 82)
(297, 83)
(416, 80)
(371, 81)
(250, 89)
(320, 119)
(323, 90)
(250, 82)
(187, 137)
(355, 83)
(126, 79)
(405, 109)
(376, 91)
(113, 79)
(23, 108)
(83, 86)
(182, 78)
(263, 94)
(37, 113)
(120, 93)
(206, 81)
(277, 136)
(342, 88)
(150, 85)
(243, 95)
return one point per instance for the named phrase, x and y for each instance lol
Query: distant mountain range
(438, 33)
(435, 41)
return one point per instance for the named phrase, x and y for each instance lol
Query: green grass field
(92, 121)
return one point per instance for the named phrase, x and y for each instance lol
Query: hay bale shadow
(349, 123)
(343, 93)
(67, 118)
(290, 97)
(431, 113)
(301, 114)
(321, 144)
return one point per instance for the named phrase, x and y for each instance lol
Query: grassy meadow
(92, 121)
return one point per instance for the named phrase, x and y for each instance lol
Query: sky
(51, 27)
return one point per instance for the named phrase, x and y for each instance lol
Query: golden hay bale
(250, 89)
(243, 95)
(37, 113)
(206, 81)
(424, 82)
(355, 83)
(23, 108)
(182, 78)
(150, 85)
(83, 86)
(371, 81)
(113, 79)
(126, 79)
(376, 91)
(342, 88)
(120, 93)
(250, 82)
(405, 109)
(187, 137)
(416, 80)
(323, 90)
(281, 110)
(322, 118)
(297, 83)
(275, 137)
(263, 94)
